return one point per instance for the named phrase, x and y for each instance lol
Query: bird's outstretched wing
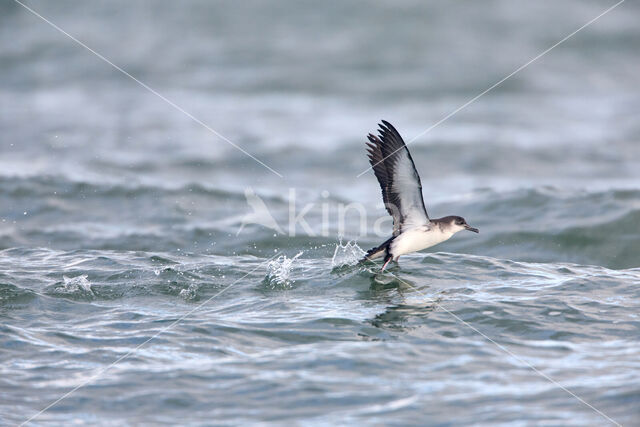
(398, 178)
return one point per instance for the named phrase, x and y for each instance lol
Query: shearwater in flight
(402, 196)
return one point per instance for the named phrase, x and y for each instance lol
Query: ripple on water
(12, 296)
(315, 313)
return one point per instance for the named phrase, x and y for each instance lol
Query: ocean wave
(12, 296)
(65, 188)
(318, 307)
(539, 224)
(552, 225)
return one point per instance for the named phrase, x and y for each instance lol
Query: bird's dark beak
(468, 227)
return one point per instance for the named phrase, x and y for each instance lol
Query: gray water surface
(120, 217)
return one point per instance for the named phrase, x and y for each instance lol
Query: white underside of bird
(417, 239)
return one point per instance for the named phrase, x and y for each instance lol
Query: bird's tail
(377, 252)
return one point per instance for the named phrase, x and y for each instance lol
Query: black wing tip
(387, 124)
(384, 128)
(387, 127)
(390, 138)
(372, 144)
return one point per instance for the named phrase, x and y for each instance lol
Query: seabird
(402, 196)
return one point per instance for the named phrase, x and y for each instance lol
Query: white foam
(78, 283)
(348, 254)
(280, 269)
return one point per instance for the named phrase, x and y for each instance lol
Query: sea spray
(346, 255)
(77, 287)
(279, 270)
(78, 284)
(190, 293)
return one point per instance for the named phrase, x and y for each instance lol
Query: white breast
(417, 239)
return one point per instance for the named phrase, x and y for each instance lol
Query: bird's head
(458, 224)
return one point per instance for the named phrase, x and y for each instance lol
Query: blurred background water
(120, 214)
